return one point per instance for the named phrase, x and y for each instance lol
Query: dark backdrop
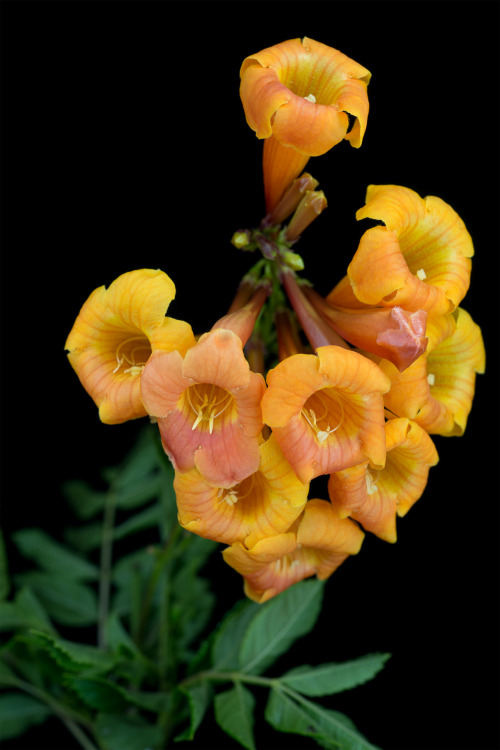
(125, 146)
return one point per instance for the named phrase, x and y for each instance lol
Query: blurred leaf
(4, 571)
(199, 696)
(278, 623)
(19, 712)
(71, 656)
(98, 693)
(23, 613)
(67, 602)
(52, 556)
(327, 679)
(330, 729)
(227, 641)
(7, 676)
(83, 499)
(138, 522)
(89, 537)
(118, 638)
(120, 732)
(234, 714)
(85, 538)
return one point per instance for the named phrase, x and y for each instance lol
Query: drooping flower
(419, 260)
(438, 389)
(208, 403)
(316, 544)
(326, 410)
(114, 335)
(374, 498)
(264, 504)
(298, 95)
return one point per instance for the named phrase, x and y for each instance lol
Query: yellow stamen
(313, 420)
(206, 409)
(371, 487)
(421, 274)
(431, 378)
(311, 98)
(129, 358)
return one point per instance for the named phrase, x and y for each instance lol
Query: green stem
(217, 676)
(106, 560)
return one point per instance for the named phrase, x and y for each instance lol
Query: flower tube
(317, 544)
(114, 335)
(298, 95)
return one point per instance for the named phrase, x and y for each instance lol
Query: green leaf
(83, 499)
(85, 538)
(137, 493)
(330, 729)
(52, 556)
(119, 732)
(7, 676)
(234, 714)
(24, 613)
(98, 693)
(67, 602)
(327, 679)
(227, 641)
(72, 656)
(19, 712)
(4, 572)
(138, 522)
(278, 623)
(199, 696)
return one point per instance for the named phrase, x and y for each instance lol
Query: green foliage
(158, 666)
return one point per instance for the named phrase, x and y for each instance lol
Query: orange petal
(114, 335)
(419, 260)
(264, 504)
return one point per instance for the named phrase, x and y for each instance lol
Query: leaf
(138, 522)
(7, 676)
(72, 656)
(24, 613)
(331, 729)
(83, 499)
(19, 712)
(278, 623)
(52, 556)
(327, 679)
(234, 714)
(119, 732)
(85, 538)
(98, 693)
(4, 572)
(199, 696)
(227, 641)
(67, 602)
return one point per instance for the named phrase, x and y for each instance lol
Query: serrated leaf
(228, 638)
(4, 572)
(199, 696)
(67, 602)
(234, 714)
(330, 729)
(119, 732)
(327, 679)
(19, 712)
(53, 557)
(72, 656)
(278, 623)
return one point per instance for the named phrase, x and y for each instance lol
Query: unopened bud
(241, 239)
(309, 208)
(292, 260)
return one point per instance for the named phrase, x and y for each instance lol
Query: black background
(125, 146)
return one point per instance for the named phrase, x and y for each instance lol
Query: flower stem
(105, 574)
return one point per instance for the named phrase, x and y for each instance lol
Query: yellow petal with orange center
(264, 504)
(114, 335)
(315, 545)
(438, 389)
(419, 260)
(300, 91)
(373, 498)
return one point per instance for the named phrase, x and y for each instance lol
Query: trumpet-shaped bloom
(437, 390)
(419, 260)
(298, 95)
(208, 407)
(316, 544)
(326, 411)
(373, 498)
(264, 504)
(114, 335)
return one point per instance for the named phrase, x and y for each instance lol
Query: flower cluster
(359, 380)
